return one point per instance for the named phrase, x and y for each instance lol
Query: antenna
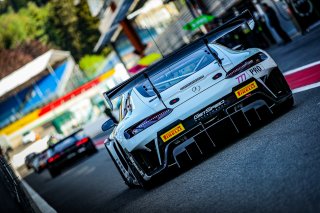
(154, 41)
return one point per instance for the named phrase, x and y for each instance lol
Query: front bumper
(213, 124)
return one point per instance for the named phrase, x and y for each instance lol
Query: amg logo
(208, 110)
(192, 82)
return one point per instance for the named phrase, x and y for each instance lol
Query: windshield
(176, 72)
(62, 145)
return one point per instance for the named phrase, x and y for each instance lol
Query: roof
(30, 72)
(244, 18)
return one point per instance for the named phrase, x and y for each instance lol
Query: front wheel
(93, 149)
(54, 172)
(143, 183)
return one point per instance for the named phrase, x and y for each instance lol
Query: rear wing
(244, 18)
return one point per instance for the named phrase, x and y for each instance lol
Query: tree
(17, 4)
(62, 27)
(38, 19)
(62, 24)
(26, 25)
(88, 28)
(13, 59)
(13, 30)
(89, 64)
(71, 27)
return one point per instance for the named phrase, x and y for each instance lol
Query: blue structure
(32, 97)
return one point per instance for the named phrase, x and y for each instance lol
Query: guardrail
(14, 186)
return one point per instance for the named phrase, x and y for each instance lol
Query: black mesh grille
(277, 83)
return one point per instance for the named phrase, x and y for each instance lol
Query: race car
(177, 109)
(67, 151)
(39, 163)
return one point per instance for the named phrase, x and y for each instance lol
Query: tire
(37, 171)
(129, 183)
(143, 183)
(288, 104)
(93, 149)
(54, 172)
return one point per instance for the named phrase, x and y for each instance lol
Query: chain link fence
(14, 186)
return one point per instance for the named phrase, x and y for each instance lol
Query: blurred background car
(68, 150)
(39, 163)
(29, 159)
(29, 137)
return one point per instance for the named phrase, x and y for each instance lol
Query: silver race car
(177, 109)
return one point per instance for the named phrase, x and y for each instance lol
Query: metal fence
(14, 186)
(173, 36)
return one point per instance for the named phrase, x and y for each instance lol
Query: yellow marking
(246, 89)
(172, 132)
(106, 75)
(20, 123)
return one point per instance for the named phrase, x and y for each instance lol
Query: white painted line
(304, 88)
(100, 146)
(301, 68)
(39, 201)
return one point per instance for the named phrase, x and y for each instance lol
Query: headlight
(145, 123)
(246, 64)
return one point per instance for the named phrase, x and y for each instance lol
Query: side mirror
(107, 125)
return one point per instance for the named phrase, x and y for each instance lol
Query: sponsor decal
(192, 82)
(256, 69)
(172, 132)
(246, 89)
(241, 78)
(208, 111)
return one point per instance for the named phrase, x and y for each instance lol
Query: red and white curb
(304, 78)
(99, 144)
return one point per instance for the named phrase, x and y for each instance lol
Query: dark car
(39, 163)
(67, 150)
(29, 159)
